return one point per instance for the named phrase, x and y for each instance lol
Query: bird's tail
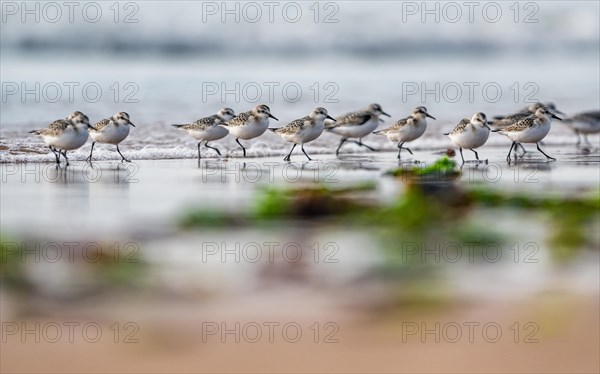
(177, 126)
(496, 130)
(273, 129)
(446, 133)
(379, 132)
(36, 132)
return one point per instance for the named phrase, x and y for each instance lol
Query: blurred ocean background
(173, 62)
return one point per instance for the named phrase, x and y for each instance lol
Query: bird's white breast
(111, 134)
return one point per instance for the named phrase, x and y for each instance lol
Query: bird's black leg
(548, 157)
(461, 155)
(199, 156)
(287, 158)
(89, 159)
(476, 155)
(303, 151)
(213, 148)
(64, 153)
(359, 142)
(337, 151)
(510, 151)
(522, 148)
(237, 140)
(122, 157)
(56, 155)
(400, 148)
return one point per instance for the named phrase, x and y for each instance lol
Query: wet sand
(547, 311)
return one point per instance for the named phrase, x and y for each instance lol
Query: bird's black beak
(131, 123)
(272, 116)
(331, 118)
(554, 116)
(385, 114)
(429, 115)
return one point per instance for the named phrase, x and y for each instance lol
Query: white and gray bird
(65, 134)
(407, 129)
(209, 128)
(507, 120)
(249, 125)
(356, 125)
(111, 130)
(584, 123)
(470, 134)
(304, 130)
(531, 129)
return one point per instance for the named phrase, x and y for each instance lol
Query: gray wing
(54, 128)
(462, 125)
(521, 125)
(510, 119)
(351, 119)
(202, 123)
(100, 125)
(591, 116)
(293, 127)
(396, 126)
(241, 119)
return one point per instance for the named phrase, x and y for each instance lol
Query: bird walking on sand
(356, 125)
(111, 130)
(304, 130)
(65, 134)
(209, 128)
(583, 124)
(531, 129)
(407, 129)
(249, 125)
(470, 134)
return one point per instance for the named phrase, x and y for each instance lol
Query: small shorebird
(470, 134)
(304, 130)
(508, 120)
(111, 130)
(524, 112)
(250, 124)
(407, 129)
(583, 124)
(208, 128)
(356, 125)
(65, 134)
(531, 129)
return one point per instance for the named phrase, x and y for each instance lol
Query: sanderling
(470, 134)
(208, 128)
(111, 130)
(511, 119)
(584, 123)
(250, 124)
(503, 121)
(304, 130)
(531, 129)
(407, 129)
(65, 134)
(356, 125)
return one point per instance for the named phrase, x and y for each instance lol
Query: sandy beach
(357, 263)
(181, 287)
